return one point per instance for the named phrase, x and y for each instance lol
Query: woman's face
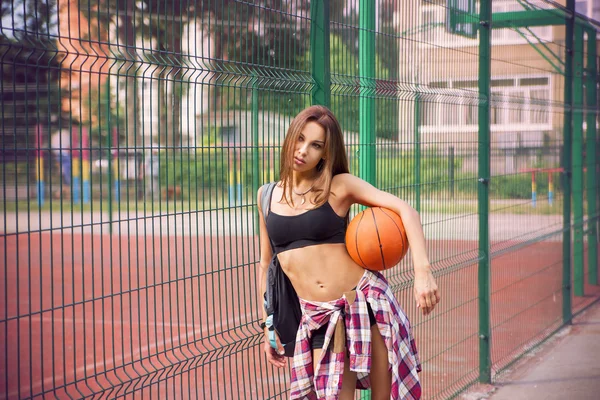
(309, 148)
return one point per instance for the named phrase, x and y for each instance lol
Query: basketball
(376, 239)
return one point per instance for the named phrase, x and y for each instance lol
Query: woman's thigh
(348, 379)
(381, 374)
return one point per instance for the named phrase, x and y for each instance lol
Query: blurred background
(135, 135)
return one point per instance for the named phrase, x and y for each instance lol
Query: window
(454, 105)
(589, 8)
(465, 85)
(441, 85)
(515, 101)
(581, 7)
(497, 114)
(538, 113)
(516, 113)
(533, 81)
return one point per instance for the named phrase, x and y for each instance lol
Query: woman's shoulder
(341, 178)
(268, 184)
(262, 190)
(341, 181)
(340, 187)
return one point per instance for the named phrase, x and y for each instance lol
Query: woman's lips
(299, 161)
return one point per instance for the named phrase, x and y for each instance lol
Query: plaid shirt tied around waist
(348, 330)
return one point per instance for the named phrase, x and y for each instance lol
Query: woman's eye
(317, 146)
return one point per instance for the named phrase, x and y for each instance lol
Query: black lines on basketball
(378, 237)
(400, 230)
(372, 242)
(364, 265)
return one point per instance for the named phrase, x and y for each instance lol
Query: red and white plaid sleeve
(322, 379)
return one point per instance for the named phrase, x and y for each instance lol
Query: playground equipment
(78, 152)
(548, 171)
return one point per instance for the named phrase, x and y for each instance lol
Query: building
(527, 83)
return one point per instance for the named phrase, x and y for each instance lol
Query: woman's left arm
(356, 190)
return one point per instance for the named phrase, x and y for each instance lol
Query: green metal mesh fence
(135, 134)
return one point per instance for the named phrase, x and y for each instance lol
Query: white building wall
(196, 89)
(197, 47)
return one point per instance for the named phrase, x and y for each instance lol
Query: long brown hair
(334, 160)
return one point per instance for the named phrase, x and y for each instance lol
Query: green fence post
(485, 18)
(366, 107)
(566, 162)
(577, 160)
(256, 178)
(451, 170)
(592, 156)
(319, 48)
(417, 154)
(109, 134)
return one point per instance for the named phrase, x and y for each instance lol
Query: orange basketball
(376, 239)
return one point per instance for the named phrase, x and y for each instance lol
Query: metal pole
(577, 161)
(256, 179)
(592, 156)
(76, 164)
(109, 135)
(485, 18)
(417, 154)
(566, 162)
(85, 165)
(366, 107)
(319, 46)
(39, 159)
(451, 170)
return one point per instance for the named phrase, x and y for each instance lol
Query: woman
(306, 222)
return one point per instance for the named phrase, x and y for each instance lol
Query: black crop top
(320, 225)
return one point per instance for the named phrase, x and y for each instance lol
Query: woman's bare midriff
(321, 272)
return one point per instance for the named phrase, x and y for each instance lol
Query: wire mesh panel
(528, 114)
(526, 221)
(425, 155)
(135, 135)
(130, 269)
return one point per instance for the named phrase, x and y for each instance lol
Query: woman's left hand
(426, 291)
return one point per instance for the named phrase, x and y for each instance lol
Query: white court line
(88, 369)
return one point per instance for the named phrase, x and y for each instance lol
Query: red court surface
(175, 317)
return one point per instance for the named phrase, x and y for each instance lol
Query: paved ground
(565, 367)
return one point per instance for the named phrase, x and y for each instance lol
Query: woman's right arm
(266, 254)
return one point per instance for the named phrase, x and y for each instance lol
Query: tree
(265, 51)
(127, 33)
(29, 73)
(344, 101)
(166, 24)
(122, 16)
(248, 39)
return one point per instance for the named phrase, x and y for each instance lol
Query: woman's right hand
(273, 357)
